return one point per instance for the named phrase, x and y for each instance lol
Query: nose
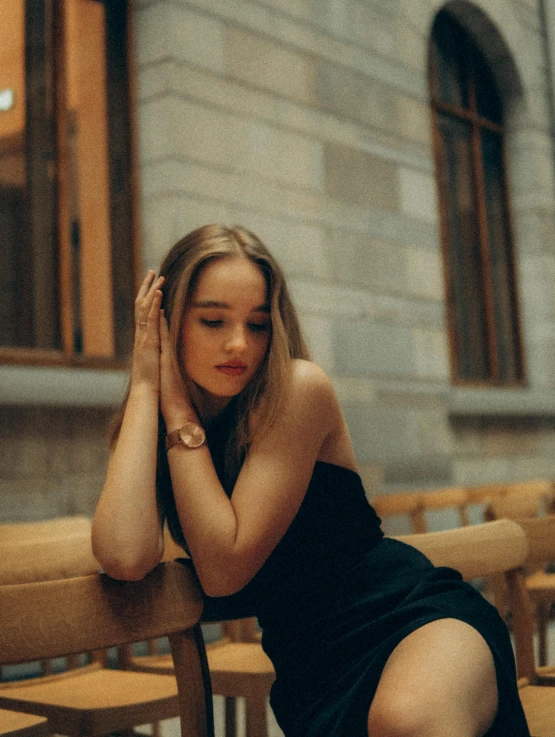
(237, 340)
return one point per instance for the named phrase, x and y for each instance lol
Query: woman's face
(226, 328)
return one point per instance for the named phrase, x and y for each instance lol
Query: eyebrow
(209, 303)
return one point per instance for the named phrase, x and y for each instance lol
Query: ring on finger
(143, 324)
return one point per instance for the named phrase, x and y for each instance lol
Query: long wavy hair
(265, 393)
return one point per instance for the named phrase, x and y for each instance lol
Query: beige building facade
(309, 122)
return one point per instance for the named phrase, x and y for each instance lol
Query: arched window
(475, 225)
(67, 250)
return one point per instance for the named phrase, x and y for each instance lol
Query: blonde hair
(181, 268)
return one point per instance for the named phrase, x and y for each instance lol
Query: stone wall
(308, 121)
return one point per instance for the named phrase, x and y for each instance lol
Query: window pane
(87, 130)
(467, 307)
(487, 97)
(29, 289)
(121, 191)
(501, 261)
(449, 69)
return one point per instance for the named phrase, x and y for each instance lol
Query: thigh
(439, 680)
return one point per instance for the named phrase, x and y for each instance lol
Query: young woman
(231, 434)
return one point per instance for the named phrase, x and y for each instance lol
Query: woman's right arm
(127, 537)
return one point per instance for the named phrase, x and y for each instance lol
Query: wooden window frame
(478, 124)
(68, 356)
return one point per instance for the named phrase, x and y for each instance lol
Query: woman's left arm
(230, 538)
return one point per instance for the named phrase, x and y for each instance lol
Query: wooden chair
(99, 696)
(401, 504)
(90, 613)
(417, 504)
(18, 724)
(537, 698)
(43, 529)
(501, 547)
(529, 500)
(238, 666)
(541, 541)
(38, 551)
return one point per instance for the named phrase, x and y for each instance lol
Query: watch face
(192, 435)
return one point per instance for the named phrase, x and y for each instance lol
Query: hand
(175, 405)
(146, 350)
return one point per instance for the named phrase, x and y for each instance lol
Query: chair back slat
(475, 551)
(94, 612)
(540, 532)
(44, 529)
(47, 559)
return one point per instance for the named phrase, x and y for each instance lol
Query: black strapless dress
(335, 598)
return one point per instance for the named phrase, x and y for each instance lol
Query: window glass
(67, 251)
(450, 69)
(488, 102)
(464, 256)
(478, 253)
(501, 260)
(29, 285)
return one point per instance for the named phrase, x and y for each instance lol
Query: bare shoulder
(312, 390)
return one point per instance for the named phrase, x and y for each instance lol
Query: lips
(233, 368)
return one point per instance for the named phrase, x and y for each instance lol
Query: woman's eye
(212, 323)
(259, 327)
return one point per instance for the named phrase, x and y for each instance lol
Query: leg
(438, 682)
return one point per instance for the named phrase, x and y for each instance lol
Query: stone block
(372, 478)
(284, 156)
(537, 274)
(509, 441)
(355, 390)
(476, 471)
(358, 259)
(419, 15)
(467, 439)
(369, 349)
(82, 492)
(414, 122)
(418, 194)
(356, 22)
(412, 47)
(431, 354)
(381, 434)
(424, 269)
(31, 500)
(159, 229)
(418, 472)
(306, 255)
(360, 178)
(263, 63)
(317, 334)
(177, 32)
(296, 8)
(191, 213)
(530, 468)
(348, 94)
(540, 359)
(533, 229)
(435, 433)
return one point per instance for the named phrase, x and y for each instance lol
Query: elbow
(124, 567)
(124, 571)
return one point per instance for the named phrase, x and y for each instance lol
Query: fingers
(164, 329)
(148, 301)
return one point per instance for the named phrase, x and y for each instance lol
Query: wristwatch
(190, 435)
